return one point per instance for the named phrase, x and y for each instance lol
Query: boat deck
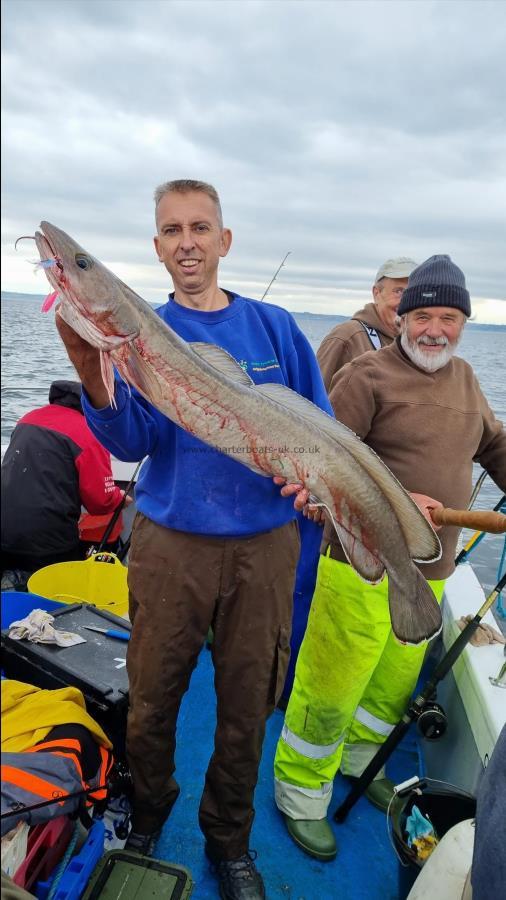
(366, 867)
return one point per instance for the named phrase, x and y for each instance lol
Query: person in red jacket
(52, 466)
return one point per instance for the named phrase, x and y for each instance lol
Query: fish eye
(83, 261)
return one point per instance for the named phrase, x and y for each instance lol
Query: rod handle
(479, 520)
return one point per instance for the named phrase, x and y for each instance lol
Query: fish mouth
(56, 275)
(45, 242)
(47, 251)
(44, 245)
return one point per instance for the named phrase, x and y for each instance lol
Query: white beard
(431, 362)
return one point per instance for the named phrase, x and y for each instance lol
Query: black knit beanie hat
(436, 282)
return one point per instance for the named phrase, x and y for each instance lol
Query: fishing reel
(120, 780)
(432, 721)
(120, 796)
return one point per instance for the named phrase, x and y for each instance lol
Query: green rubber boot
(314, 836)
(380, 793)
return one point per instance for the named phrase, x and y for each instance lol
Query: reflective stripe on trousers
(295, 801)
(352, 682)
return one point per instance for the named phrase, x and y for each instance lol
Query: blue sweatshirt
(186, 484)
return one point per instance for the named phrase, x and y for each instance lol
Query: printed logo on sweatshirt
(257, 366)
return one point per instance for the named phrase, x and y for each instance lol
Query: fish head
(94, 293)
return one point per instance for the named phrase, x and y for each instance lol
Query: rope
(62, 865)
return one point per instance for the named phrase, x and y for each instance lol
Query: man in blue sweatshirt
(213, 544)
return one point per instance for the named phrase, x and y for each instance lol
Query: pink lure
(48, 302)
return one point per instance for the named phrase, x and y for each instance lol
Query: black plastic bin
(444, 804)
(97, 667)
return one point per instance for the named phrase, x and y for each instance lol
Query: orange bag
(92, 528)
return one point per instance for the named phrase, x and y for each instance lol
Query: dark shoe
(239, 879)
(314, 836)
(143, 843)
(380, 793)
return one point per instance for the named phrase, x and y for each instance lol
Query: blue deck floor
(366, 866)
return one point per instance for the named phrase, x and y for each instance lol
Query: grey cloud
(346, 132)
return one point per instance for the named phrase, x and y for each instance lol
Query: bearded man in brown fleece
(423, 412)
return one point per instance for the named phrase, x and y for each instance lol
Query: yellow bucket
(101, 579)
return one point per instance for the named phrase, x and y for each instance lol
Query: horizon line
(500, 325)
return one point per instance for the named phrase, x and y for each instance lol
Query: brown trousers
(180, 584)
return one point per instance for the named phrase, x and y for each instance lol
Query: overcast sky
(344, 132)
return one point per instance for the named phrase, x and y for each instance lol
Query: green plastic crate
(127, 875)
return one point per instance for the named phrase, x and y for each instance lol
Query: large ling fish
(203, 389)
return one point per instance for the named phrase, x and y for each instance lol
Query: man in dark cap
(52, 466)
(422, 410)
(372, 327)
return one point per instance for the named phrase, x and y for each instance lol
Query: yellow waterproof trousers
(353, 680)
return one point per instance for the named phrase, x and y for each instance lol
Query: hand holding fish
(86, 361)
(301, 502)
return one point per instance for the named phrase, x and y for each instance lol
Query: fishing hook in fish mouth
(55, 259)
(24, 237)
(43, 263)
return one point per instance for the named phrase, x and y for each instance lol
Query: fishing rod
(62, 798)
(500, 610)
(125, 548)
(115, 516)
(273, 279)
(477, 488)
(416, 706)
(119, 782)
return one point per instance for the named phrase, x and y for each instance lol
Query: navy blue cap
(436, 282)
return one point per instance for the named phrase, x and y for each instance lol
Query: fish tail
(415, 616)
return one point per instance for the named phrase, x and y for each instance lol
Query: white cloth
(37, 628)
